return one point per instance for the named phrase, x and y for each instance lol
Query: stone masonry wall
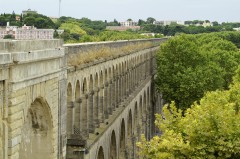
(35, 69)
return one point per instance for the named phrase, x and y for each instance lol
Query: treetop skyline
(136, 9)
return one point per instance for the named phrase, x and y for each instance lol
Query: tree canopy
(190, 65)
(208, 130)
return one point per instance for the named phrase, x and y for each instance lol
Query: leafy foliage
(209, 130)
(190, 65)
(39, 21)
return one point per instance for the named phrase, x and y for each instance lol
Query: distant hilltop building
(29, 11)
(128, 23)
(125, 26)
(168, 22)
(205, 23)
(236, 29)
(26, 32)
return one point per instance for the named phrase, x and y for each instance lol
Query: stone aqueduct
(97, 110)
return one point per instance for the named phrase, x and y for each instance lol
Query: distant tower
(59, 11)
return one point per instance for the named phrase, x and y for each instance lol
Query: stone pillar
(77, 116)
(85, 116)
(70, 124)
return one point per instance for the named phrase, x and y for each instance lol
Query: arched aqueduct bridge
(87, 101)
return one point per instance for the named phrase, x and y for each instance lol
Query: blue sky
(220, 10)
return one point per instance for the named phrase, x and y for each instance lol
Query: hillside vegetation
(87, 30)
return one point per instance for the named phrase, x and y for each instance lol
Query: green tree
(208, 130)
(190, 65)
(30, 21)
(141, 22)
(13, 17)
(73, 28)
(150, 20)
(41, 23)
(215, 23)
(3, 21)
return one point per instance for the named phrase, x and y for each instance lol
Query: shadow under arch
(100, 154)
(122, 141)
(113, 146)
(36, 141)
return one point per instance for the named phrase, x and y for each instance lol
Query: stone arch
(77, 90)
(129, 135)
(135, 115)
(37, 132)
(144, 103)
(130, 122)
(149, 114)
(76, 110)
(85, 116)
(113, 146)
(69, 109)
(122, 140)
(101, 96)
(96, 80)
(113, 91)
(110, 73)
(84, 86)
(101, 79)
(109, 101)
(117, 85)
(124, 79)
(106, 75)
(100, 154)
(120, 82)
(90, 105)
(106, 106)
(141, 58)
(120, 68)
(145, 114)
(96, 101)
(91, 83)
(148, 96)
(126, 66)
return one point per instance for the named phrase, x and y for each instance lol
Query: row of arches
(130, 129)
(92, 97)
